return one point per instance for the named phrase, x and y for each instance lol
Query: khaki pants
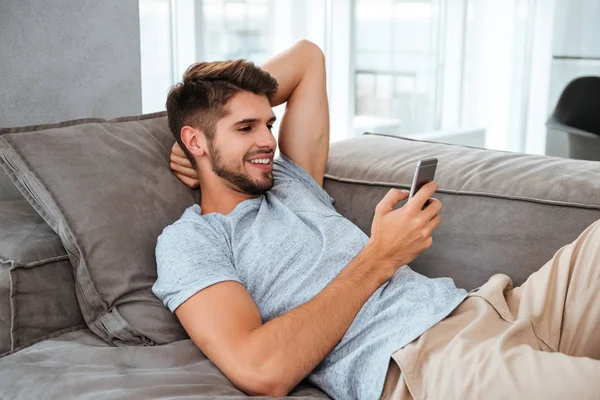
(537, 341)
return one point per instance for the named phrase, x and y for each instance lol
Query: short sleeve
(284, 168)
(189, 258)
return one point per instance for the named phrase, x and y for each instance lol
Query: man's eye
(245, 129)
(270, 127)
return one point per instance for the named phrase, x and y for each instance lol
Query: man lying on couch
(274, 285)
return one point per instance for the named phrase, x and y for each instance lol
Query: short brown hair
(199, 100)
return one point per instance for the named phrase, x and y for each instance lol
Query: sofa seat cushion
(106, 188)
(37, 288)
(79, 364)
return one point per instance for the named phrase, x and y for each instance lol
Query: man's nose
(266, 138)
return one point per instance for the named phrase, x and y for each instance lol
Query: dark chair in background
(576, 118)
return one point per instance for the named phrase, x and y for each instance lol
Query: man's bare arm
(271, 359)
(304, 129)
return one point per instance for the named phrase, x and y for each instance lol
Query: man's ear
(194, 140)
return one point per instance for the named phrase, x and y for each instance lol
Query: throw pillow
(107, 190)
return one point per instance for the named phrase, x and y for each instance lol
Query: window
(397, 50)
(177, 33)
(458, 71)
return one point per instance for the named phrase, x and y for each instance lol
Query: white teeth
(260, 161)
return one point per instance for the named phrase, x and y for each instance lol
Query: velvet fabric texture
(37, 288)
(80, 365)
(502, 212)
(106, 188)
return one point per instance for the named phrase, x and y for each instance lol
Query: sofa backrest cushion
(502, 212)
(8, 192)
(106, 188)
(37, 288)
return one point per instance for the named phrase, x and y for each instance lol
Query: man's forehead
(248, 99)
(248, 107)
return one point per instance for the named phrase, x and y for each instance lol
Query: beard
(241, 181)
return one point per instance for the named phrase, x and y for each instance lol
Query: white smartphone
(424, 173)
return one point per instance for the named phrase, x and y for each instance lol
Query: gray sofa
(82, 202)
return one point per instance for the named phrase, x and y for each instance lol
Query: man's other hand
(182, 167)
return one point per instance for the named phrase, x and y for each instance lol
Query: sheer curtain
(498, 70)
(452, 66)
(156, 53)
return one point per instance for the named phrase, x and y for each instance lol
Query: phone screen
(425, 172)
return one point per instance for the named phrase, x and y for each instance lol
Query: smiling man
(275, 286)
(270, 282)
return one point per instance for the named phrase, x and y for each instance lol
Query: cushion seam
(16, 264)
(442, 143)
(466, 193)
(138, 117)
(40, 127)
(78, 121)
(13, 307)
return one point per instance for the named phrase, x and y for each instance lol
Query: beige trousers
(538, 341)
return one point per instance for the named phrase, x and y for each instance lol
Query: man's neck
(221, 201)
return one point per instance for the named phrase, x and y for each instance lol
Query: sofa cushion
(37, 288)
(79, 365)
(107, 190)
(503, 212)
(8, 191)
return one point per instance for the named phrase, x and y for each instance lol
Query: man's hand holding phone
(398, 236)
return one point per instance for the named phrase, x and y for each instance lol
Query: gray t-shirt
(285, 247)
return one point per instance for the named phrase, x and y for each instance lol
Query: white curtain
(498, 70)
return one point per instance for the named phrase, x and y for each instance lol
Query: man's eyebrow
(252, 121)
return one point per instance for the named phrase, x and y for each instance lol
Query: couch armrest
(503, 212)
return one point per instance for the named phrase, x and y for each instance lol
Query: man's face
(244, 134)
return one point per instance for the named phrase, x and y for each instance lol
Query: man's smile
(264, 164)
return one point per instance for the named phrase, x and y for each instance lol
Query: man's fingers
(392, 197)
(433, 223)
(193, 183)
(182, 167)
(419, 199)
(181, 160)
(176, 149)
(189, 172)
(432, 209)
